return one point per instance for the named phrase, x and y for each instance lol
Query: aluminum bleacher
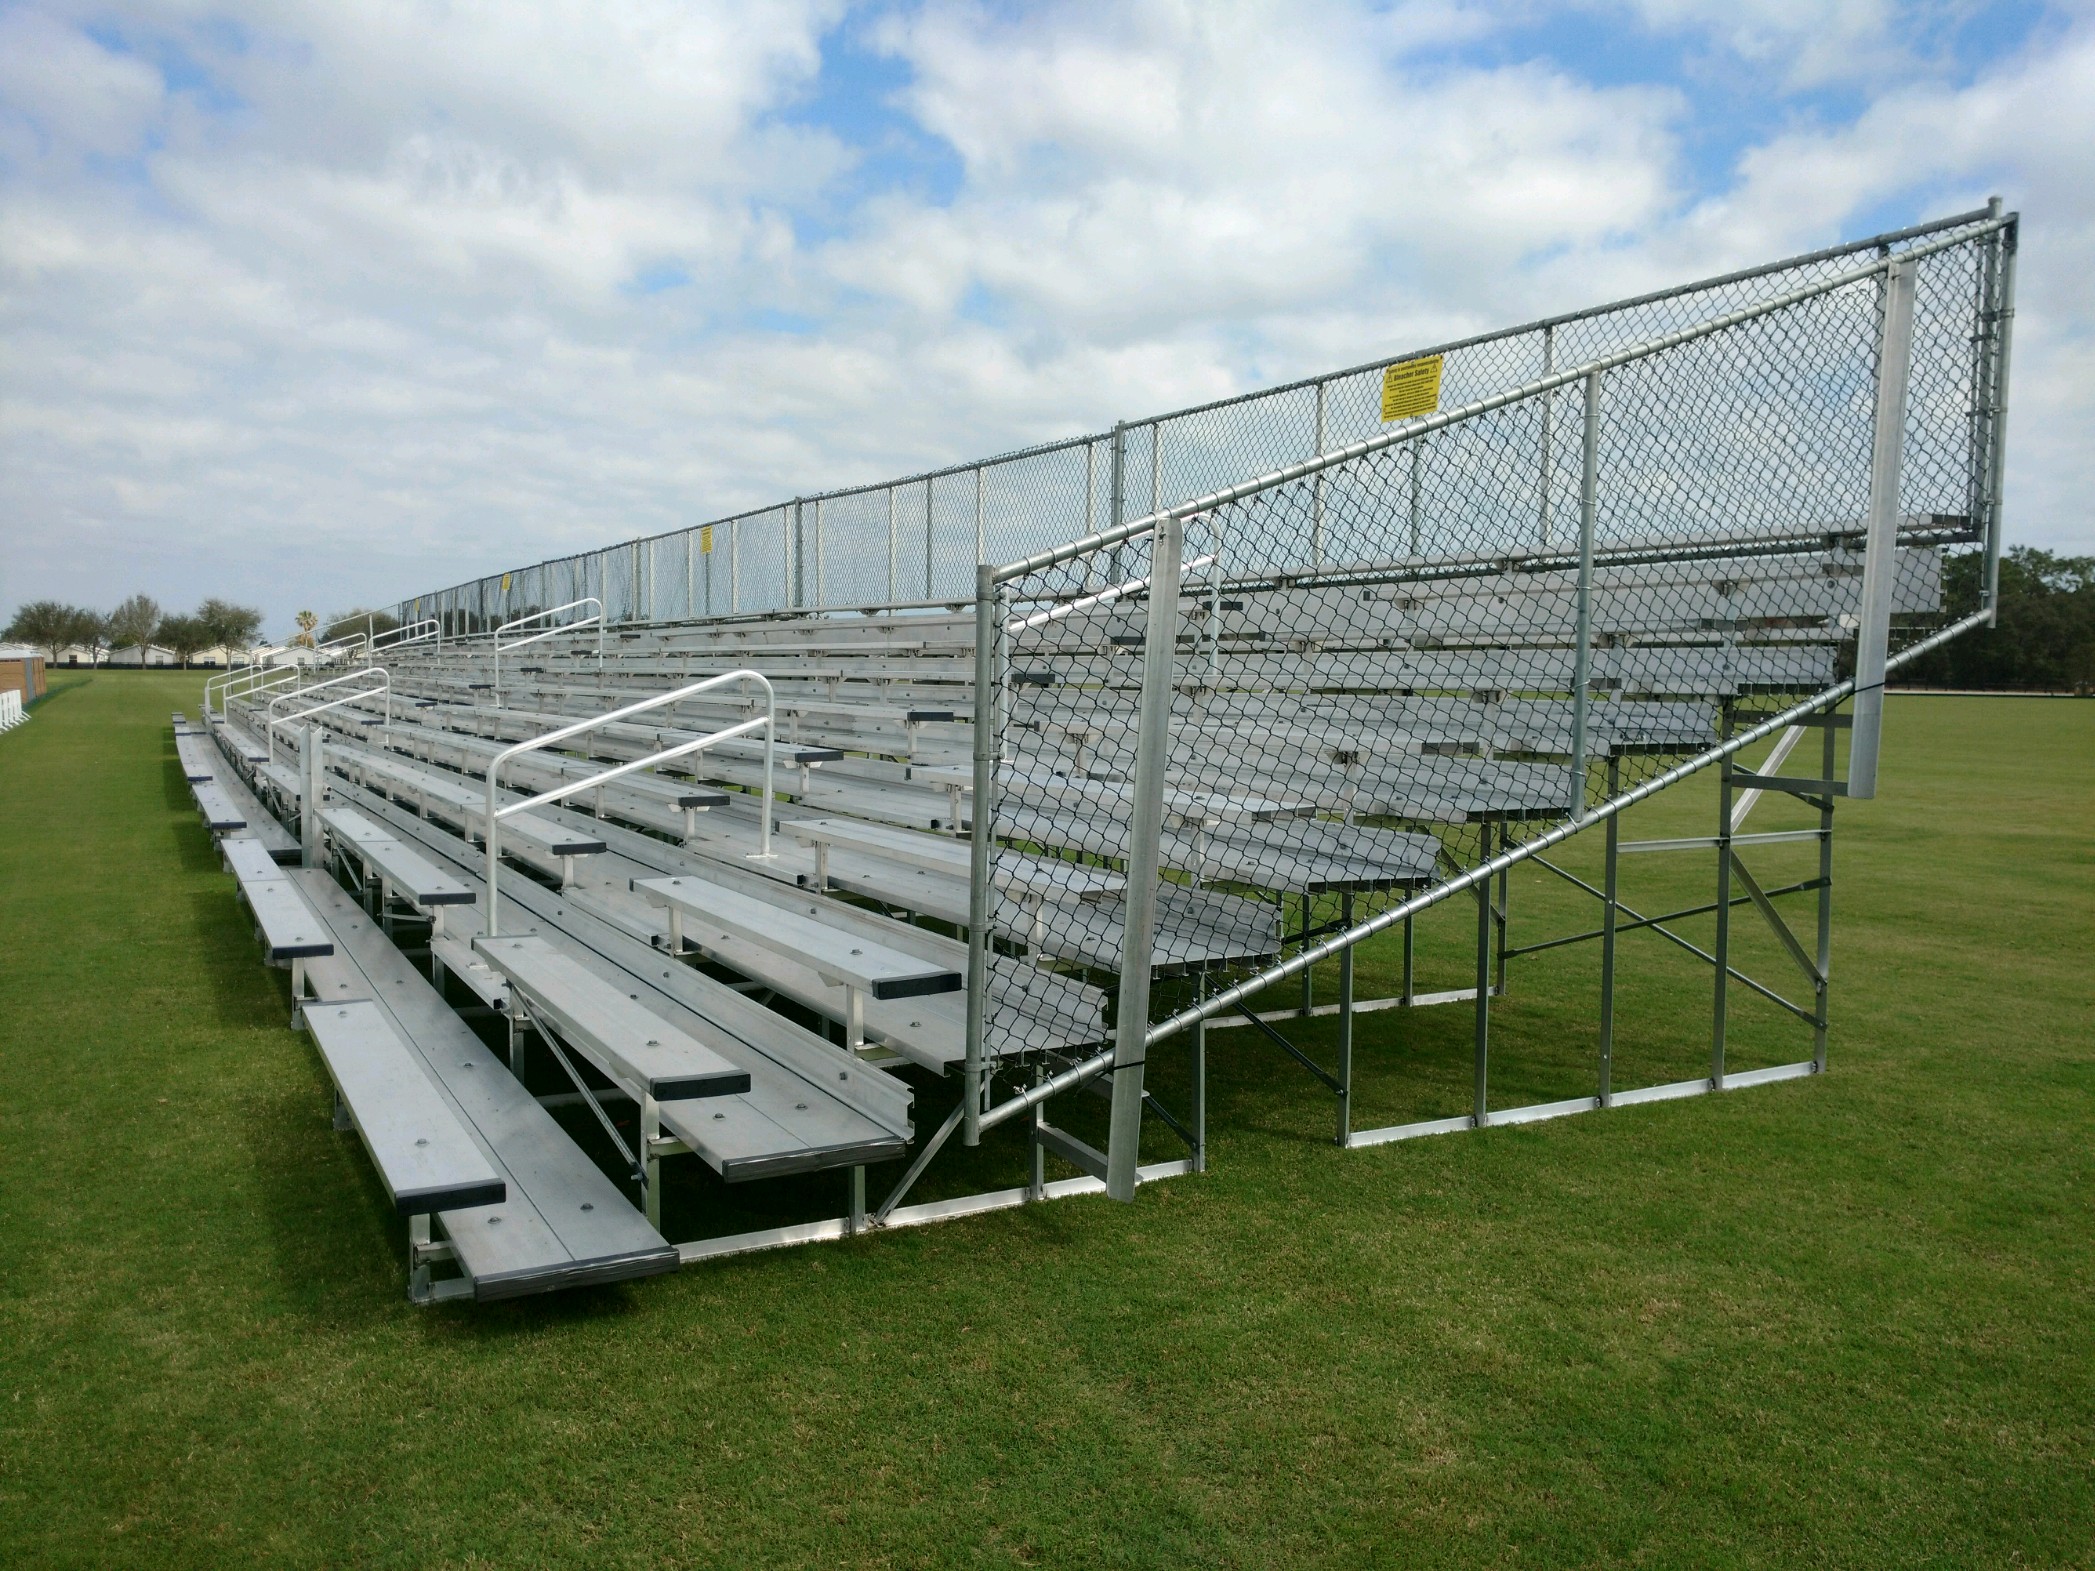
(753, 883)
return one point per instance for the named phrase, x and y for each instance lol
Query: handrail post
(312, 776)
(491, 836)
(770, 763)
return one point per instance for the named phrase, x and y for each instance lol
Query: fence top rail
(1424, 426)
(1966, 225)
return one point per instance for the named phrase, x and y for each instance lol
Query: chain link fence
(917, 540)
(1373, 674)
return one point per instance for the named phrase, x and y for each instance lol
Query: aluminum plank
(632, 1045)
(425, 1155)
(410, 873)
(217, 808)
(563, 1221)
(842, 957)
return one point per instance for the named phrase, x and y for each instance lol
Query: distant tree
(90, 629)
(342, 623)
(133, 624)
(307, 621)
(186, 637)
(2044, 637)
(48, 624)
(234, 626)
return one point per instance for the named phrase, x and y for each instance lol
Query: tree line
(53, 625)
(2044, 640)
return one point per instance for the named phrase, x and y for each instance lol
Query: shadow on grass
(61, 686)
(334, 1240)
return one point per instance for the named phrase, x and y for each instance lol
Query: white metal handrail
(768, 721)
(257, 677)
(362, 673)
(344, 641)
(551, 632)
(400, 637)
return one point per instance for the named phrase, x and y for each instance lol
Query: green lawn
(1846, 1321)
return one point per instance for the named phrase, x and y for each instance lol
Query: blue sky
(327, 305)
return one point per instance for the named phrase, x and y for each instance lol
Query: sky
(328, 305)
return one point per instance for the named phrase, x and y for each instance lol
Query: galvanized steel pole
(1145, 834)
(1582, 652)
(2010, 240)
(980, 848)
(1880, 561)
(1316, 503)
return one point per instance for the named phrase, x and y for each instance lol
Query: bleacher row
(769, 1017)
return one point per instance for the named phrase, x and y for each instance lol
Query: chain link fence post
(989, 680)
(1880, 565)
(1145, 833)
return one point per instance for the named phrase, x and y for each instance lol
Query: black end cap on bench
(689, 1088)
(919, 986)
(307, 949)
(453, 1197)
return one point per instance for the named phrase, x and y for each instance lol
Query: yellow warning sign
(505, 576)
(705, 539)
(1411, 388)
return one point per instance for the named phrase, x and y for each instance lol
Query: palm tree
(307, 621)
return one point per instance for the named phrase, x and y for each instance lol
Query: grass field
(1847, 1321)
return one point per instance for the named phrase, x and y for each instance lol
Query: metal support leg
(1309, 989)
(1345, 1024)
(1410, 992)
(1722, 947)
(650, 1162)
(1199, 1035)
(1825, 949)
(1502, 917)
(1036, 1172)
(857, 1224)
(1610, 913)
(1480, 1107)
(418, 1242)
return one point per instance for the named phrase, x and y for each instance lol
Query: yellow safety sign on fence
(505, 576)
(1411, 388)
(705, 540)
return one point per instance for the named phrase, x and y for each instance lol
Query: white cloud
(70, 94)
(334, 304)
(1809, 42)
